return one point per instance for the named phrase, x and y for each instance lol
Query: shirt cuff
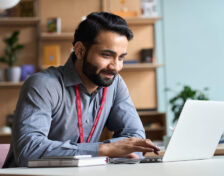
(88, 149)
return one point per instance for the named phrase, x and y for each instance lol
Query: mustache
(109, 72)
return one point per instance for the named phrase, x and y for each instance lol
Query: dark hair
(95, 22)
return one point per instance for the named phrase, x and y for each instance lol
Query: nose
(116, 65)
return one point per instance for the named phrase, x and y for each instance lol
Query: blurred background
(176, 54)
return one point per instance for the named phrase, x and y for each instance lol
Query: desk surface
(209, 167)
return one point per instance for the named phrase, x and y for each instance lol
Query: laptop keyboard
(151, 160)
(134, 161)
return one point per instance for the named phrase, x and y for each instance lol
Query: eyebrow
(112, 52)
(124, 54)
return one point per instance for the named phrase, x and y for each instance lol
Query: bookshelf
(29, 36)
(154, 123)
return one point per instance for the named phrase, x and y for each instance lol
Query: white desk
(210, 167)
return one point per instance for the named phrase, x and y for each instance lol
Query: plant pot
(13, 74)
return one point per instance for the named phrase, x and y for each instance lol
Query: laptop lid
(198, 131)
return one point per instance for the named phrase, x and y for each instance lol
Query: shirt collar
(69, 72)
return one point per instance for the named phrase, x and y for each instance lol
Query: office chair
(4, 149)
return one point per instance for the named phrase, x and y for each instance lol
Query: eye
(122, 57)
(106, 55)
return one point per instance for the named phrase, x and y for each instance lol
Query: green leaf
(177, 102)
(19, 47)
(2, 59)
(12, 48)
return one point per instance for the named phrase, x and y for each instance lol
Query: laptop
(197, 133)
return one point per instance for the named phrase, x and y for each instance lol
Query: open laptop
(197, 133)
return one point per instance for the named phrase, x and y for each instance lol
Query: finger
(132, 155)
(143, 143)
(156, 152)
(147, 143)
(150, 143)
(142, 149)
(133, 144)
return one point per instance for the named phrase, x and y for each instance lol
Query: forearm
(126, 133)
(36, 147)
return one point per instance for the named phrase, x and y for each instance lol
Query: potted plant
(12, 72)
(177, 102)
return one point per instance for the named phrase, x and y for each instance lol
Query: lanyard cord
(79, 113)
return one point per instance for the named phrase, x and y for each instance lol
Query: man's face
(104, 59)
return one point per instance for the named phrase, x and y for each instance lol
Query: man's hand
(126, 147)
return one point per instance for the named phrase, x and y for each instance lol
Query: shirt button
(87, 121)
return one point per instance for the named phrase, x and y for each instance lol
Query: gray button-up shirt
(46, 120)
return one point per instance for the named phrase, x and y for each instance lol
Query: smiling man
(63, 110)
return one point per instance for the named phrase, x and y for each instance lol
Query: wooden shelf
(5, 138)
(148, 129)
(10, 84)
(19, 21)
(142, 20)
(57, 36)
(141, 66)
(150, 113)
(70, 35)
(154, 123)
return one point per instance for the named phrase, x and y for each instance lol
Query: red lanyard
(79, 113)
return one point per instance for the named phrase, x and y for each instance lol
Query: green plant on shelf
(12, 49)
(177, 102)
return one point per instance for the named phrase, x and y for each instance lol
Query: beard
(90, 71)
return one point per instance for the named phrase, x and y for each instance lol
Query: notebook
(68, 161)
(196, 135)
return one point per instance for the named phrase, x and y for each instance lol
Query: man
(62, 111)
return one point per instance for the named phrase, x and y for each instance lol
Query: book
(131, 62)
(26, 71)
(147, 55)
(68, 161)
(54, 24)
(51, 55)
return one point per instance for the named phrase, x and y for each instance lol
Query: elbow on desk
(25, 152)
(22, 157)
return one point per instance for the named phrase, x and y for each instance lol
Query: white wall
(190, 42)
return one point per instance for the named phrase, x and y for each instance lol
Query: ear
(79, 50)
